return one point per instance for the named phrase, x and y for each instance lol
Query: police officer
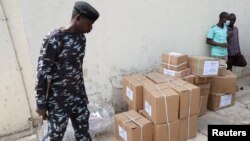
(60, 90)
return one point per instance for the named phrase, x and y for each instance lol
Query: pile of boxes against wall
(164, 105)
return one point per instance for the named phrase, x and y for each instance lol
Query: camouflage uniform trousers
(58, 117)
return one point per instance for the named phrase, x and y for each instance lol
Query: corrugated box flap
(133, 78)
(202, 57)
(132, 120)
(184, 84)
(178, 86)
(141, 83)
(231, 74)
(153, 75)
(160, 78)
(153, 87)
(161, 92)
(223, 63)
(137, 80)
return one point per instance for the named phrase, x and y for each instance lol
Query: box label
(123, 133)
(129, 93)
(169, 72)
(225, 100)
(148, 108)
(211, 68)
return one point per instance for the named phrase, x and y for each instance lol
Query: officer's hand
(87, 101)
(42, 112)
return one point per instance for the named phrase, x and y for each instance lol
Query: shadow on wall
(117, 101)
(116, 81)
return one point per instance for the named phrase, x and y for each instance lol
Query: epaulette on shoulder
(51, 34)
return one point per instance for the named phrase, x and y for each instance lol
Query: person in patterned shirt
(235, 57)
(60, 90)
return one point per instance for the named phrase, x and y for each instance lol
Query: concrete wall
(129, 37)
(16, 85)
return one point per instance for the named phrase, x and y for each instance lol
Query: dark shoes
(241, 88)
(237, 88)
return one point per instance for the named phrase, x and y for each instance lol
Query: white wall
(130, 35)
(17, 103)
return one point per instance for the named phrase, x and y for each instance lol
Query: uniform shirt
(61, 56)
(219, 35)
(233, 42)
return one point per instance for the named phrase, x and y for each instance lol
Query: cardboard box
(204, 92)
(189, 97)
(189, 79)
(167, 132)
(203, 105)
(174, 61)
(202, 80)
(161, 103)
(133, 90)
(220, 100)
(188, 128)
(222, 68)
(203, 66)
(224, 84)
(143, 113)
(158, 78)
(131, 126)
(204, 89)
(179, 74)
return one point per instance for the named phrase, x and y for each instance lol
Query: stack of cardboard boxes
(218, 85)
(203, 69)
(189, 100)
(133, 91)
(174, 64)
(223, 90)
(161, 105)
(131, 126)
(170, 104)
(188, 108)
(203, 66)
(204, 92)
(222, 68)
(165, 106)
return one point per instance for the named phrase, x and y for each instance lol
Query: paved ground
(237, 114)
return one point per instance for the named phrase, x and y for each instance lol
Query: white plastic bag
(101, 120)
(43, 129)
